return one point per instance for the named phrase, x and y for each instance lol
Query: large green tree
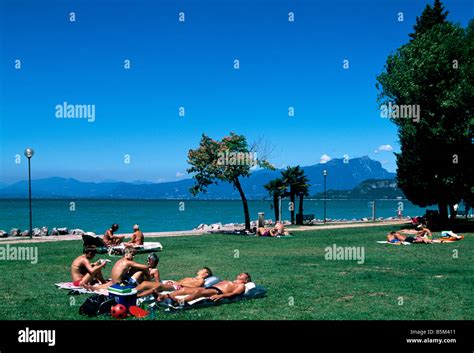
(433, 72)
(227, 160)
(430, 17)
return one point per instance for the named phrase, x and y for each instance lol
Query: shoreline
(168, 234)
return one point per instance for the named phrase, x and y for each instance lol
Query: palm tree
(276, 188)
(296, 181)
(302, 188)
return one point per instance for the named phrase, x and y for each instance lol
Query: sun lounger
(118, 250)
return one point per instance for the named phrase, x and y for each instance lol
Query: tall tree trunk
(443, 212)
(300, 211)
(276, 207)
(244, 202)
(292, 212)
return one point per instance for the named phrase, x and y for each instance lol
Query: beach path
(53, 238)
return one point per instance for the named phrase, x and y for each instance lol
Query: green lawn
(432, 283)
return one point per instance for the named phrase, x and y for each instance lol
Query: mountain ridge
(342, 175)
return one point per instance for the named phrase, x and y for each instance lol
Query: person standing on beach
(137, 237)
(110, 239)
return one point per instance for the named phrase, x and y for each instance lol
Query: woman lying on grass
(279, 230)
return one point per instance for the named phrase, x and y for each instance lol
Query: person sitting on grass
(110, 239)
(137, 237)
(396, 237)
(83, 272)
(147, 287)
(223, 289)
(128, 272)
(423, 231)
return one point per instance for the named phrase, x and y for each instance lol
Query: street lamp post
(325, 173)
(28, 154)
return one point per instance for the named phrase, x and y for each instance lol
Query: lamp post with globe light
(28, 154)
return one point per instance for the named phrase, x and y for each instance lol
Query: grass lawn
(395, 282)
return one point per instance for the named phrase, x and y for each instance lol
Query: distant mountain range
(342, 175)
(372, 189)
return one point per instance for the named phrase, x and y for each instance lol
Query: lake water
(168, 215)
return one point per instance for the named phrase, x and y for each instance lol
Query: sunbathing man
(83, 272)
(137, 237)
(395, 237)
(109, 238)
(148, 287)
(223, 289)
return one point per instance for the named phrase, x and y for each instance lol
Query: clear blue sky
(190, 64)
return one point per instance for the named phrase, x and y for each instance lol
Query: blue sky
(190, 64)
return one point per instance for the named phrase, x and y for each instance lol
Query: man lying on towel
(223, 289)
(83, 272)
(396, 237)
(147, 287)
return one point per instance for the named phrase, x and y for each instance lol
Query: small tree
(227, 160)
(276, 189)
(295, 180)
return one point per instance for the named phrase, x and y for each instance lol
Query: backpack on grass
(97, 304)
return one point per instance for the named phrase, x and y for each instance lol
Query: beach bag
(97, 304)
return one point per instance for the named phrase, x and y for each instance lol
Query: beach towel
(252, 291)
(448, 239)
(78, 289)
(397, 243)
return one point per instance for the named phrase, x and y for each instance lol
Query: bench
(305, 218)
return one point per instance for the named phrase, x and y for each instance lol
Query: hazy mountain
(341, 176)
(371, 189)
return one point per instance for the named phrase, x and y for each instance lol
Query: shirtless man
(148, 287)
(137, 237)
(395, 237)
(83, 272)
(130, 271)
(223, 289)
(109, 238)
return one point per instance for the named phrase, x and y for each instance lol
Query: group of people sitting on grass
(422, 235)
(146, 278)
